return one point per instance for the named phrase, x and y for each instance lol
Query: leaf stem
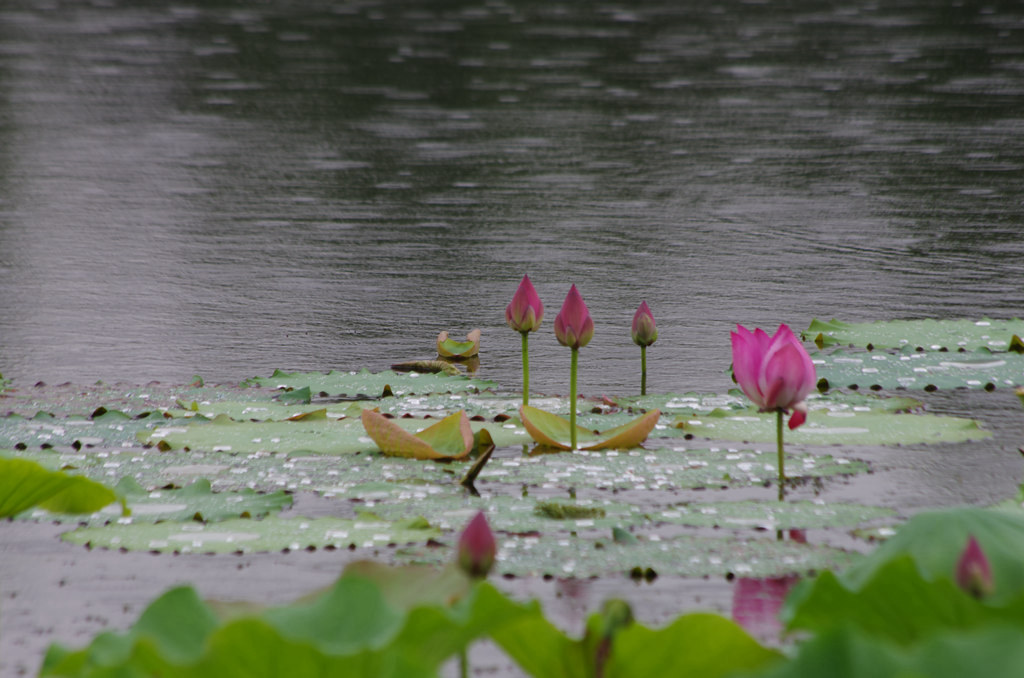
(463, 656)
(526, 368)
(782, 461)
(572, 397)
(643, 370)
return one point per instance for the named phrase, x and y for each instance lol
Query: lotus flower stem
(526, 367)
(643, 370)
(463, 663)
(572, 397)
(782, 460)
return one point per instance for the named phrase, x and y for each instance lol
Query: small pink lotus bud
(477, 547)
(525, 311)
(973, 572)
(573, 326)
(645, 332)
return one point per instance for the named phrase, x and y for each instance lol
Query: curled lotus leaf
(453, 348)
(450, 438)
(553, 431)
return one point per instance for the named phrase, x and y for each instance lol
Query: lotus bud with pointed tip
(645, 332)
(775, 372)
(477, 547)
(525, 311)
(973, 572)
(573, 326)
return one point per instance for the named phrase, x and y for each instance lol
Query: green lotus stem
(463, 663)
(526, 367)
(572, 397)
(782, 469)
(643, 370)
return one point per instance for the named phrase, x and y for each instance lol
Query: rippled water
(223, 189)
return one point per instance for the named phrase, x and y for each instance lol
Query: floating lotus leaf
(427, 367)
(928, 334)
(248, 536)
(829, 428)
(912, 369)
(25, 484)
(450, 438)
(371, 384)
(553, 431)
(453, 348)
(194, 502)
(662, 469)
(771, 515)
(109, 429)
(685, 555)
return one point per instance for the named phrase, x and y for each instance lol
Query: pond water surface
(222, 188)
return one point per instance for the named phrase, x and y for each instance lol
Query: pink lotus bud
(775, 372)
(645, 332)
(477, 547)
(525, 311)
(973, 573)
(573, 325)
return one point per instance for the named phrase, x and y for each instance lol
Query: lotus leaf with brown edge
(550, 430)
(453, 348)
(450, 438)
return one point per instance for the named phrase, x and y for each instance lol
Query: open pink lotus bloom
(645, 332)
(477, 547)
(973, 572)
(525, 311)
(774, 372)
(573, 325)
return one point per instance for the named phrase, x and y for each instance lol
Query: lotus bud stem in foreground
(573, 328)
(524, 314)
(777, 374)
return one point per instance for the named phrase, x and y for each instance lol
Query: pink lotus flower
(973, 572)
(525, 311)
(477, 547)
(645, 332)
(774, 372)
(573, 325)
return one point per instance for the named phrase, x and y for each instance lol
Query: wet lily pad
(248, 536)
(45, 430)
(830, 428)
(771, 515)
(928, 334)
(196, 501)
(372, 384)
(929, 370)
(684, 556)
(513, 514)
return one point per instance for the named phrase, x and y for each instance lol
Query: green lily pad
(685, 556)
(25, 484)
(845, 427)
(248, 536)
(111, 428)
(928, 334)
(515, 515)
(771, 515)
(911, 369)
(371, 384)
(194, 502)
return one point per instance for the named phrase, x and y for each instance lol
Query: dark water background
(225, 188)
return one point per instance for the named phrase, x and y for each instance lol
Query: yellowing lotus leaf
(453, 348)
(450, 438)
(553, 431)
